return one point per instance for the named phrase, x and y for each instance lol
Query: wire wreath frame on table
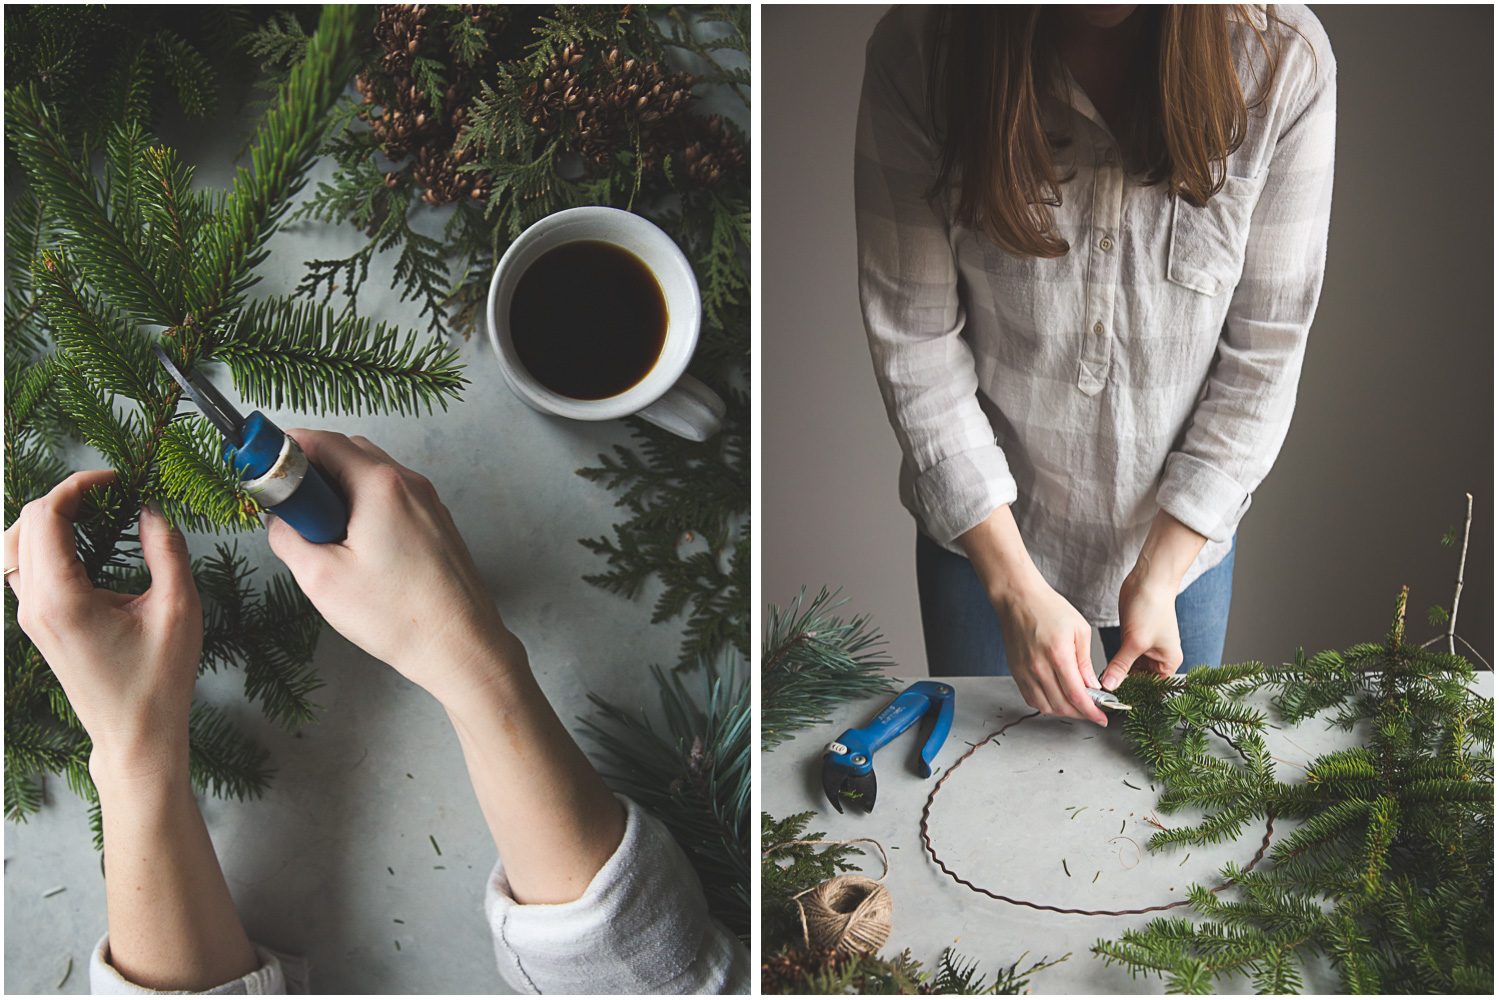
(926, 841)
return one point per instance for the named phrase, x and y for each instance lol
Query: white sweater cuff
(277, 974)
(641, 926)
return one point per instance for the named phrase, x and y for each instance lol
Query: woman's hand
(1150, 638)
(1049, 648)
(402, 586)
(1048, 644)
(127, 663)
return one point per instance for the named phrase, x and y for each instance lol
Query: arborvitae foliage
(788, 868)
(509, 114)
(812, 661)
(1390, 874)
(695, 776)
(101, 265)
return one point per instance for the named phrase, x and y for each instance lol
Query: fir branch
(304, 356)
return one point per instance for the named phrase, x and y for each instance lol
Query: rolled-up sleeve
(1239, 425)
(908, 290)
(642, 926)
(276, 974)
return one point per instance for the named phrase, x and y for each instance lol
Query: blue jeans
(962, 630)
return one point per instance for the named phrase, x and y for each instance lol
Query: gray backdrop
(1395, 418)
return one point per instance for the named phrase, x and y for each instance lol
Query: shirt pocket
(1207, 244)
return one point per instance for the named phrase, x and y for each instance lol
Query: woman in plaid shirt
(1091, 243)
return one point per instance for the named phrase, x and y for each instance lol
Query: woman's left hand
(127, 663)
(1150, 638)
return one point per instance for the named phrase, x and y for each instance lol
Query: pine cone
(785, 971)
(714, 154)
(402, 115)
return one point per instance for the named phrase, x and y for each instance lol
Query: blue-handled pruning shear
(848, 763)
(269, 463)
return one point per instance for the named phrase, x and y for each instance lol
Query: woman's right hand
(1047, 642)
(1049, 648)
(402, 586)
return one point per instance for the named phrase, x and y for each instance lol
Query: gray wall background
(1396, 411)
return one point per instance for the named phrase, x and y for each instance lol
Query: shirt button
(1108, 156)
(1098, 328)
(1106, 243)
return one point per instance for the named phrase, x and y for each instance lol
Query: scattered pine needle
(1121, 827)
(54, 891)
(65, 974)
(390, 869)
(439, 868)
(1095, 876)
(399, 920)
(1064, 867)
(1135, 787)
(1186, 859)
(434, 845)
(1074, 815)
(398, 946)
(1139, 855)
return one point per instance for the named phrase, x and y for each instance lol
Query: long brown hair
(1183, 111)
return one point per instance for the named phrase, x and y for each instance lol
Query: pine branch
(812, 661)
(695, 777)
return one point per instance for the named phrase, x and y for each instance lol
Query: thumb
(165, 551)
(1118, 667)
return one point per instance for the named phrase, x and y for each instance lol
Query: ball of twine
(848, 913)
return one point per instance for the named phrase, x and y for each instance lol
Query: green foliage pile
(788, 868)
(100, 266)
(1390, 874)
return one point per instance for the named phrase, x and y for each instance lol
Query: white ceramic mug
(667, 396)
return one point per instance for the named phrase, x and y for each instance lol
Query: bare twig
(1475, 652)
(1457, 595)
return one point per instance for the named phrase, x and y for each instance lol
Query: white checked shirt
(1154, 366)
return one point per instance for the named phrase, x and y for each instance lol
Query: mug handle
(689, 409)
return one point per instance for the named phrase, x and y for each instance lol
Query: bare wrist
(477, 670)
(138, 768)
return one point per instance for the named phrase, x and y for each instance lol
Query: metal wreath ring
(926, 840)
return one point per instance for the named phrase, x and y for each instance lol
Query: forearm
(1169, 551)
(999, 556)
(172, 922)
(554, 821)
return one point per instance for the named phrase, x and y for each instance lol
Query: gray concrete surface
(338, 851)
(1394, 420)
(1006, 821)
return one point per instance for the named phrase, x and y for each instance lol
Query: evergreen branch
(811, 662)
(306, 357)
(284, 145)
(222, 760)
(114, 262)
(696, 778)
(197, 487)
(110, 350)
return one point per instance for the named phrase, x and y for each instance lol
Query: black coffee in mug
(588, 319)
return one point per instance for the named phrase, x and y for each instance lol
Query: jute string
(849, 913)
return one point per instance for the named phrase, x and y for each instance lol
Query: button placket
(1103, 275)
